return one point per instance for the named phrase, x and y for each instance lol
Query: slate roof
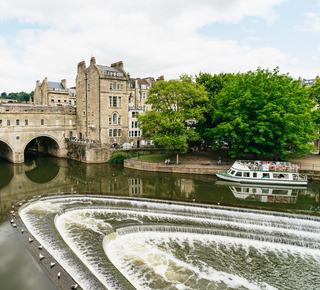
(55, 86)
(110, 69)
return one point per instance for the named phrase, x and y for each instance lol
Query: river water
(201, 234)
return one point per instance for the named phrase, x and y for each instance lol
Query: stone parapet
(192, 168)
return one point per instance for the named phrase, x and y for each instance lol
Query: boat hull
(260, 180)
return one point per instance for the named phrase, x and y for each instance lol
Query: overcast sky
(41, 39)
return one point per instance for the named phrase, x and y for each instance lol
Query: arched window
(114, 118)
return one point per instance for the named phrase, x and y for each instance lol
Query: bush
(118, 158)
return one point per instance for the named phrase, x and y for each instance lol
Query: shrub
(118, 158)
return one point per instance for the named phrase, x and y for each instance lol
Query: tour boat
(264, 172)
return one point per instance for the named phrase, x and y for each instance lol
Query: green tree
(264, 112)
(213, 85)
(176, 106)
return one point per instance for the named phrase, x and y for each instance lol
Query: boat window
(232, 172)
(239, 173)
(265, 190)
(281, 175)
(246, 174)
(265, 175)
(254, 190)
(254, 174)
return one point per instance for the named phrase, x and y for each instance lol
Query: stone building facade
(50, 93)
(108, 101)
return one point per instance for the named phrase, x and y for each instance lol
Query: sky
(41, 39)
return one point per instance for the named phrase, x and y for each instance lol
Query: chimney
(118, 65)
(93, 60)
(81, 66)
(64, 83)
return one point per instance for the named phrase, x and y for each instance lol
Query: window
(42, 121)
(57, 122)
(84, 113)
(119, 102)
(70, 122)
(114, 102)
(118, 87)
(265, 175)
(110, 86)
(88, 87)
(110, 102)
(83, 97)
(65, 100)
(232, 172)
(59, 100)
(114, 118)
(121, 87)
(133, 114)
(115, 132)
(119, 132)
(8, 122)
(110, 120)
(130, 102)
(17, 122)
(69, 102)
(92, 113)
(246, 174)
(0, 123)
(144, 96)
(238, 173)
(254, 174)
(75, 102)
(26, 122)
(114, 86)
(119, 120)
(129, 133)
(110, 132)
(52, 99)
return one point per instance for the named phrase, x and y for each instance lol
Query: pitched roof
(55, 86)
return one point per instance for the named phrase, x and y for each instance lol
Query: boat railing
(279, 166)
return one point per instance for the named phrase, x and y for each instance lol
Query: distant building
(54, 94)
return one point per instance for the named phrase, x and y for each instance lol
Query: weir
(127, 243)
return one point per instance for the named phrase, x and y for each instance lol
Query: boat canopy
(258, 165)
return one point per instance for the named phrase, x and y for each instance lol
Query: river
(48, 175)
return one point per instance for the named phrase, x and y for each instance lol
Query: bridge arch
(46, 144)
(6, 151)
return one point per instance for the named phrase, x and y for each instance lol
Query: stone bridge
(42, 127)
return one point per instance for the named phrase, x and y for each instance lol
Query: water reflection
(42, 174)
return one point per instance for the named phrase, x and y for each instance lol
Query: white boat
(264, 172)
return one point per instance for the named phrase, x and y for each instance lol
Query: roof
(55, 86)
(104, 68)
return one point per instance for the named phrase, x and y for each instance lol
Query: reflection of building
(186, 186)
(135, 186)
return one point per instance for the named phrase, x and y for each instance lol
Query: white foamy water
(199, 249)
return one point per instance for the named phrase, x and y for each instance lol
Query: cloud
(312, 22)
(152, 38)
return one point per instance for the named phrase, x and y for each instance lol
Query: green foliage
(213, 85)
(21, 97)
(118, 158)
(176, 105)
(263, 112)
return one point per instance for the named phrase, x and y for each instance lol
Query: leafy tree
(263, 112)
(3, 94)
(176, 106)
(213, 85)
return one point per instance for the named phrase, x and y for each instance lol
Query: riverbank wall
(203, 167)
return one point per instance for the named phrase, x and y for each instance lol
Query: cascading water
(145, 244)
